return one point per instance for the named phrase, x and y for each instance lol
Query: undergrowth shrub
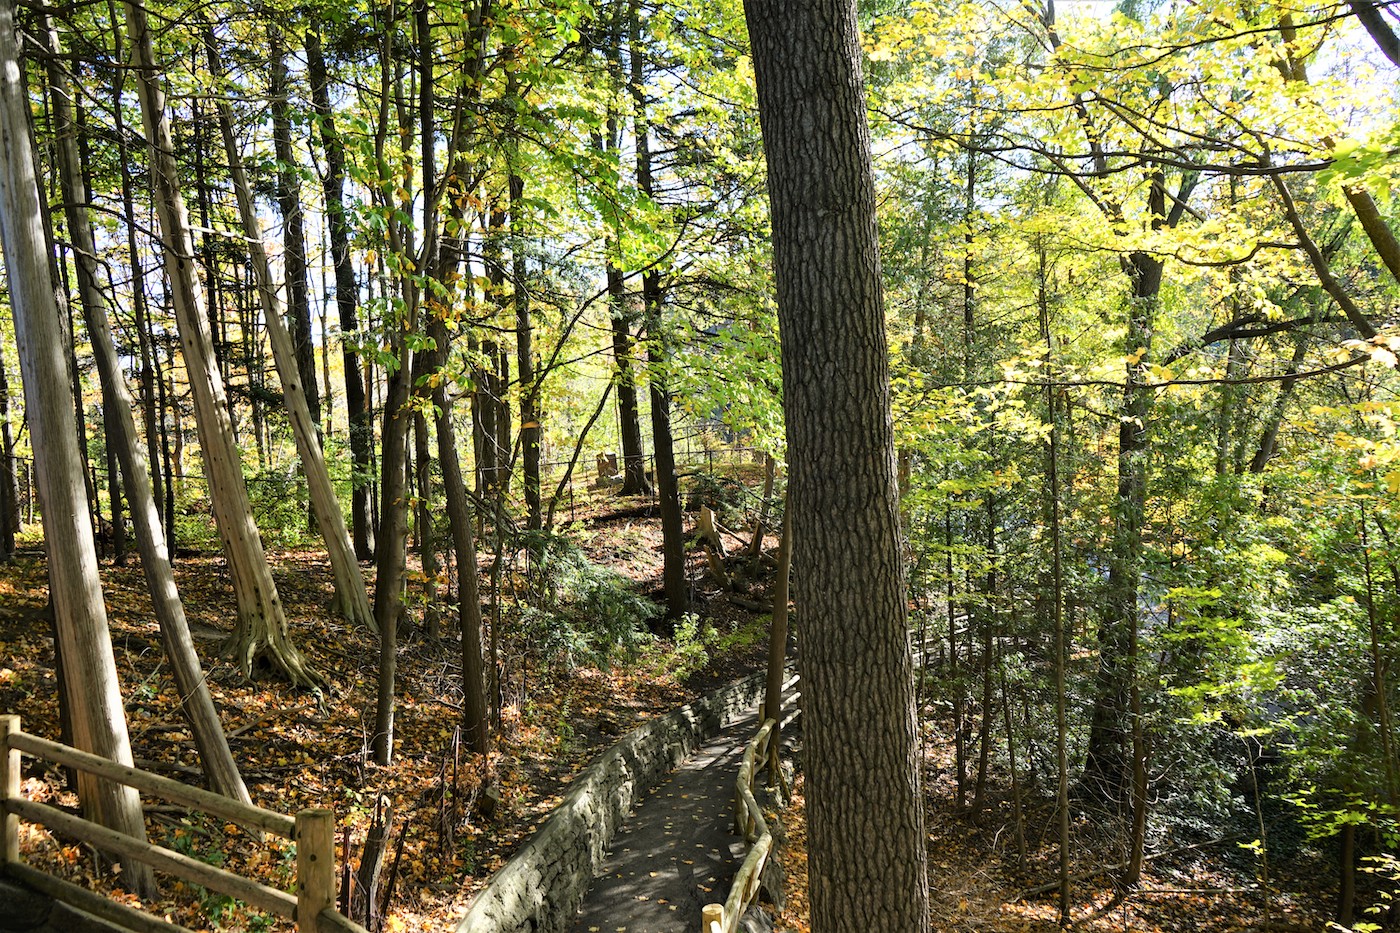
(279, 499)
(577, 611)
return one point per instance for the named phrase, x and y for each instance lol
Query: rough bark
(197, 704)
(84, 644)
(261, 629)
(867, 863)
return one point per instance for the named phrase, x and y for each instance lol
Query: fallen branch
(275, 714)
(753, 605)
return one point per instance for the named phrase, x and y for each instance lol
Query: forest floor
(979, 881)
(299, 749)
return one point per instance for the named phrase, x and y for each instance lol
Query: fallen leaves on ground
(300, 749)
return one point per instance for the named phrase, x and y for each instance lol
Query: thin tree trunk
(166, 398)
(770, 469)
(954, 675)
(114, 481)
(392, 549)
(666, 483)
(778, 634)
(427, 539)
(261, 629)
(1108, 767)
(634, 479)
(1052, 471)
(1274, 420)
(525, 362)
(988, 625)
(293, 226)
(390, 553)
(608, 147)
(475, 709)
(1018, 811)
(351, 600)
(9, 485)
(218, 332)
(346, 300)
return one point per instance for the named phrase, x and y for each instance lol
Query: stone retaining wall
(540, 888)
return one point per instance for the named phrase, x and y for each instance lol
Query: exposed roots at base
(254, 642)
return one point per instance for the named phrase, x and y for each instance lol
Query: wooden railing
(312, 908)
(749, 822)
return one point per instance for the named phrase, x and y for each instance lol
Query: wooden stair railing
(749, 822)
(312, 908)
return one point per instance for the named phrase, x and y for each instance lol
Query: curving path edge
(541, 887)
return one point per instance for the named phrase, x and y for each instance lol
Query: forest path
(677, 851)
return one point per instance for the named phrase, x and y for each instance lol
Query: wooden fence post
(9, 790)
(315, 835)
(712, 914)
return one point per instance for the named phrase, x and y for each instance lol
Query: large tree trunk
(84, 644)
(351, 599)
(261, 629)
(867, 862)
(346, 299)
(197, 703)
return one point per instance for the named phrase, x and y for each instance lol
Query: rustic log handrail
(750, 823)
(196, 798)
(312, 907)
